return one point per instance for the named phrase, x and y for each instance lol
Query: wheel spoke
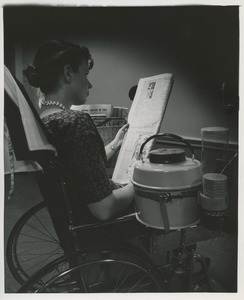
(38, 238)
(124, 280)
(28, 265)
(97, 274)
(45, 228)
(133, 288)
(48, 232)
(32, 243)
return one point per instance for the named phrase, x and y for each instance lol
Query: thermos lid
(171, 170)
(177, 176)
(167, 156)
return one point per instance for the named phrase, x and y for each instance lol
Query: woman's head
(50, 61)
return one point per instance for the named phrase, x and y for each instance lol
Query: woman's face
(80, 84)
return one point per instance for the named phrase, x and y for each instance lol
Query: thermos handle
(168, 135)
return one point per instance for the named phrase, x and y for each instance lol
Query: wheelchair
(48, 252)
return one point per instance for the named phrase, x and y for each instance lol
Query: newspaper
(145, 118)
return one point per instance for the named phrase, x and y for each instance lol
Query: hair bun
(32, 76)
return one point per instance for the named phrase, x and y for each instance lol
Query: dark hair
(50, 60)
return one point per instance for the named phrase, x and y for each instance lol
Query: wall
(199, 45)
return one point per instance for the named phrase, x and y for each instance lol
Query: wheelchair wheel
(32, 243)
(96, 271)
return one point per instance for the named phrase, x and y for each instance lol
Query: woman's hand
(114, 146)
(117, 141)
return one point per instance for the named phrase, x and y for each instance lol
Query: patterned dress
(81, 153)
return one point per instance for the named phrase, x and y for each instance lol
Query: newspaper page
(145, 118)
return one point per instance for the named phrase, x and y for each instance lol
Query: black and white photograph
(81, 212)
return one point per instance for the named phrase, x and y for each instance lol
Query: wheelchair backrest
(28, 134)
(31, 141)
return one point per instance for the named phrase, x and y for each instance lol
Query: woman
(60, 69)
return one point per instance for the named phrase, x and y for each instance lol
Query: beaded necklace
(53, 103)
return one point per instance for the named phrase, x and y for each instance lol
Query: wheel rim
(32, 243)
(129, 278)
(97, 272)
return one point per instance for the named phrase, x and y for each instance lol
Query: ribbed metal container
(166, 194)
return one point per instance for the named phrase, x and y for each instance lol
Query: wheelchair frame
(111, 267)
(132, 258)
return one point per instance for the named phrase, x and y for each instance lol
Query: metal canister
(167, 186)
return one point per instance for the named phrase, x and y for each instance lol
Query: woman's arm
(89, 174)
(113, 204)
(114, 146)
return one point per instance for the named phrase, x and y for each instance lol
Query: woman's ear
(67, 73)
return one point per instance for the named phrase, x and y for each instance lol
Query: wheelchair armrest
(101, 224)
